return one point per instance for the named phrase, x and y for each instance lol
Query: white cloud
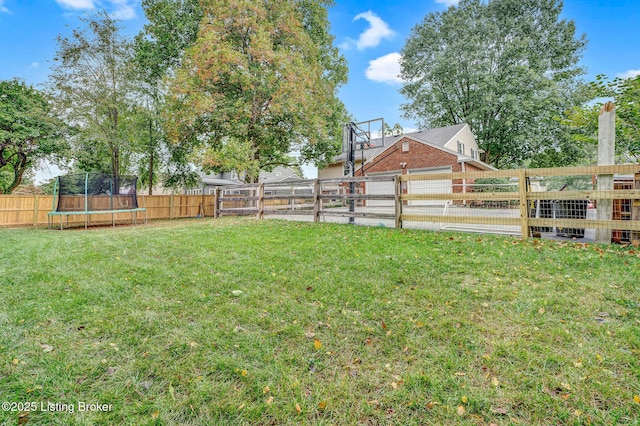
(629, 74)
(3, 8)
(448, 2)
(121, 9)
(385, 69)
(35, 65)
(76, 4)
(124, 12)
(377, 31)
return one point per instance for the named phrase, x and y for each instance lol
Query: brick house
(441, 150)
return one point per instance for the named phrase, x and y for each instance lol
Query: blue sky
(369, 33)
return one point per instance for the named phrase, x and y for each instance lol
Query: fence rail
(549, 202)
(559, 202)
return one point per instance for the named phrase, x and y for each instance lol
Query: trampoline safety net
(96, 192)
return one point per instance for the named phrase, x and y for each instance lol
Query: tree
(91, 82)
(261, 79)
(582, 121)
(506, 67)
(158, 50)
(393, 131)
(29, 132)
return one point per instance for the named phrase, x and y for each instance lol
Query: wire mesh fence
(572, 203)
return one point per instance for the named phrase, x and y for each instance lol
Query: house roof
(438, 137)
(279, 174)
(220, 182)
(462, 158)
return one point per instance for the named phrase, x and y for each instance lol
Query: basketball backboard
(363, 135)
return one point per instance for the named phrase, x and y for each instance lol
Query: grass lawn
(203, 322)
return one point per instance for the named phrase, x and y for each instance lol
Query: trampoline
(90, 194)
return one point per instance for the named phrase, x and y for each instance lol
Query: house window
(234, 175)
(474, 153)
(460, 147)
(405, 146)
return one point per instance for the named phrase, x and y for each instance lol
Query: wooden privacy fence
(553, 202)
(25, 210)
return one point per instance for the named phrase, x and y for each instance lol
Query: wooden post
(524, 211)
(316, 200)
(606, 151)
(260, 206)
(397, 181)
(635, 211)
(171, 206)
(216, 198)
(36, 206)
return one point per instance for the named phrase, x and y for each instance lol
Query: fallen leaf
(384, 326)
(578, 363)
(241, 406)
(155, 414)
(460, 373)
(23, 418)
(394, 385)
(464, 399)
(541, 311)
(237, 292)
(309, 335)
(15, 361)
(499, 410)
(110, 371)
(269, 400)
(565, 385)
(322, 405)
(309, 288)
(636, 399)
(461, 410)
(495, 381)
(266, 389)
(298, 409)
(46, 348)
(317, 344)
(243, 373)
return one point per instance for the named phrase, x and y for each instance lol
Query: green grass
(335, 325)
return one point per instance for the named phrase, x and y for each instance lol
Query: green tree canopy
(506, 67)
(29, 132)
(583, 120)
(261, 79)
(158, 50)
(91, 81)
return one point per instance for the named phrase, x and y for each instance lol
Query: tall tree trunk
(150, 156)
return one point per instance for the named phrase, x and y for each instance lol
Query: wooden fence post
(606, 150)
(397, 181)
(316, 200)
(171, 206)
(216, 198)
(635, 211)
(36, 206)
(524, 211)
(260, 206)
